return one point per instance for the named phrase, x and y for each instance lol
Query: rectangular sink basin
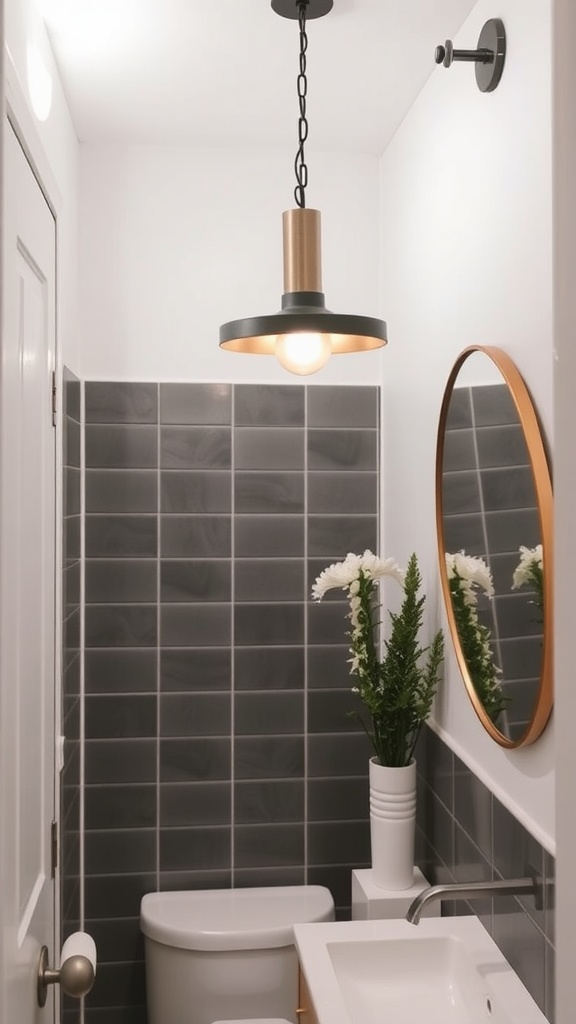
(442, 971)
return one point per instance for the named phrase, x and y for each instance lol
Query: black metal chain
(300, 167)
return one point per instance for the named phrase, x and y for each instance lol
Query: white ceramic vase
(392, 824)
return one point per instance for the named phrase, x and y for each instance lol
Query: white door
(27, 581)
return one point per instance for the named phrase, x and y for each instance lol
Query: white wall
(177, 240)
(466, 237)
(53, 148)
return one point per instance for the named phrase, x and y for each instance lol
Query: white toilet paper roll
(79, 944)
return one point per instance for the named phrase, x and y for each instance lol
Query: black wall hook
(488, 57)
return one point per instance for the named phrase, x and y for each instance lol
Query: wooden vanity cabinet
(305, 1012)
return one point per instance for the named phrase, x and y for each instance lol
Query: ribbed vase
(392, 824)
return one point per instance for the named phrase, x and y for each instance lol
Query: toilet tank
(226, 954)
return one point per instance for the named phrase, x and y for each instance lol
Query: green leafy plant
(398, 688)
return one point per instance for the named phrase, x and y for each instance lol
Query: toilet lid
(210, 919)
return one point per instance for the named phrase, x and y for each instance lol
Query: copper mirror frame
(543, 491)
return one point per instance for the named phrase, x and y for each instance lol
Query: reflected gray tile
(121, 447)
(193, 714)
(274, 624)
(505, 528)
(333, 711)
(207, 490)
(71, 539)
(129, 850)
(120, 716)
(195, 760)
(120, 806)
(501, 446)
(120, 579)
(342, 449)
(343, 842)
(338, 800)
(195, 580)
(189, 625)
(196, 669)
(195, 448)
(110, 402)
(334, 536)
(269, 580)
(458, 452)
(512, 487)
(343, 492)
(120, 760)
(460, 493)
(71, 587)
(329, 666)
(493, 404)
(521, 659)
(518, 616)
(197, 803)
(268, 668)
(196, 403)
(464, 533)
(550, 897)
(193, 849)
(122, 536)
(269, 492)
(121, 625)
(263, 757)
(459, 409)
(269, 536)
(343, 406)
(269, 405)
(268, 845)
(195, 536)
(115, 671)
(345, 754)
(275, 448)
(121, 490)
(268, 713)
(550, 983)
(257, 802)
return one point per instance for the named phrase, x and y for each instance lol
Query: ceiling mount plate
(314, 8)
(493, 38)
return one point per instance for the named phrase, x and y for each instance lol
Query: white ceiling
(223, 72)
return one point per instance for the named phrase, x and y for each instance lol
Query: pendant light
(303, 334)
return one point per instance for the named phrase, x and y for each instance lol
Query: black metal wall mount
(489, 56)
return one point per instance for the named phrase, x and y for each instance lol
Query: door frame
(17, 115)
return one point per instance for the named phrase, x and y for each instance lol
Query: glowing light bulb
(303, 353)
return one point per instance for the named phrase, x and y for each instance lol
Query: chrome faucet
(473, 890)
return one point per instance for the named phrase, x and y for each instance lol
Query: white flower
(472, 571)
(529, 558)
(345, 574)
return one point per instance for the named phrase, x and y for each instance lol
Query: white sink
(443, 971)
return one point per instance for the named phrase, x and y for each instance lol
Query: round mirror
(494, 527)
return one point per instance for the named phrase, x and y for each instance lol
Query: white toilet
(226, 954)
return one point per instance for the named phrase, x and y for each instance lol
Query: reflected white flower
(530, 559)
(472, 571)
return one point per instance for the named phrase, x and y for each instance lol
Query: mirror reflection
(494, 522)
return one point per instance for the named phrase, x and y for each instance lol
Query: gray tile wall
(70, 779)
(465, 834)
(218, 748)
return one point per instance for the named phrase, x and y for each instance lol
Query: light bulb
(303, 352)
